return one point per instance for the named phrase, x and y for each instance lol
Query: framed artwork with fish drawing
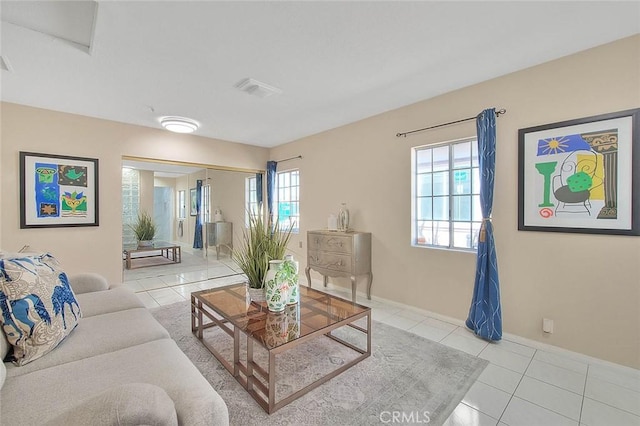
(58, 191)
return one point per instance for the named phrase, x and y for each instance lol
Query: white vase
(276, 329)
(293, 325)
(294, 287)
(276, 288)
(332, 222)
(282, 327)
(256, 294)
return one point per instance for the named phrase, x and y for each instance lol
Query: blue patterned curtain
(197, 238)
(485, 314)
(259, 190)
(271, 187)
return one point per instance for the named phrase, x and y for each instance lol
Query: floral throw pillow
(39, 308)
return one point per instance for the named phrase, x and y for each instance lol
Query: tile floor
(521, 386)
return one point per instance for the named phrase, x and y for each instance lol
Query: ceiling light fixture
(179, 124)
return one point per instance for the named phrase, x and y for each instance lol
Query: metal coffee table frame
(247, 373)
(171, 252)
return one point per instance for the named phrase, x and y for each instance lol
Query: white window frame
(287, 190)
(181, 204)
(205, 204)
(251, 199)
(450, 228)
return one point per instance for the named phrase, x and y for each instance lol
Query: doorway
(163, 208)
(166, 190)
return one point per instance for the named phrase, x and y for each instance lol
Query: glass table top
(315, 311)
(157, 245)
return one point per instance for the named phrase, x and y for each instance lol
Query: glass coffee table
(317, 316)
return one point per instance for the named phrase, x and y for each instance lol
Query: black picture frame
(581, 176)
(58, 191)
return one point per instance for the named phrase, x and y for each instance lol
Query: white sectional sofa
(119, 366)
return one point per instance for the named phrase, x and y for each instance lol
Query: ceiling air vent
(257, 88)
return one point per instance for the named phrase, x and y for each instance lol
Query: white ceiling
(335, 62)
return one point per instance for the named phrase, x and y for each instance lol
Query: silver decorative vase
(343, 218)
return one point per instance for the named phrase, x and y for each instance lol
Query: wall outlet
(547, 325)
(300, 244)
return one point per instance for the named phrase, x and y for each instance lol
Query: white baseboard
(577, 356)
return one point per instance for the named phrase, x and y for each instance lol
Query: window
(445, 201)
(251, 199)
(182, 205)
(130, 203)
(288, 199)
(205, 204)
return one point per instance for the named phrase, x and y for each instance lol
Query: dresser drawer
(332, 261)
(332, 243)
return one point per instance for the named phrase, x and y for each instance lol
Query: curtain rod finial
(501, 111)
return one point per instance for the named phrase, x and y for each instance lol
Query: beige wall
(146, 191)
(596, 308)
(588, 284)
(99, 248)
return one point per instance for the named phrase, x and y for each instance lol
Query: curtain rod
(287, 159)
(498, 114)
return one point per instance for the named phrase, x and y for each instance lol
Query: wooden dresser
(340, 254)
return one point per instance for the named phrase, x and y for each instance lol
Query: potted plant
(145, 229)
(259, 245)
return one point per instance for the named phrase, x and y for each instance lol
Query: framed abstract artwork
(581, 175)
(58, 191)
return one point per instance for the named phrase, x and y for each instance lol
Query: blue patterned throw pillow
(39, 308)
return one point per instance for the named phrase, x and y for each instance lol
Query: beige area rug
(406, 380)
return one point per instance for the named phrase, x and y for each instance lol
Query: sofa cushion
(97, 335)
(39, 308)
(160, 363)
(131, 404)
(4, 345)
(3, 373)
(113, 300)
(86, 282)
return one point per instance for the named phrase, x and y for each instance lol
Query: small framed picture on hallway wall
(58, 191)
(581, 175)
